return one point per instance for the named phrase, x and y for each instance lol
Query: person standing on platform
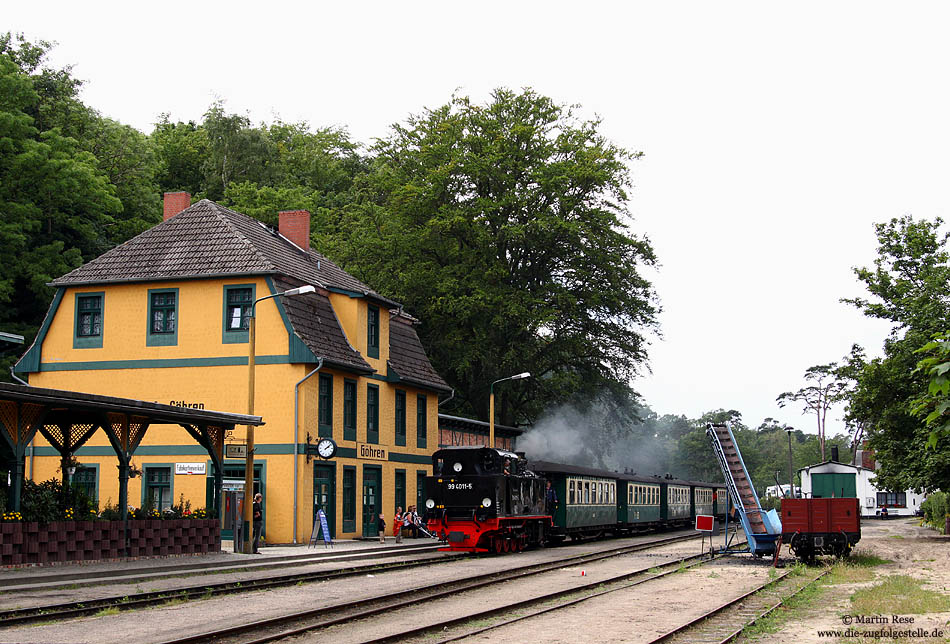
(381, 528)
(550, 499)
(258, 510)
(397, 525)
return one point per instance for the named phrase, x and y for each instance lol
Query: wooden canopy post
(66, 437)
(125, 433)
(19, 422)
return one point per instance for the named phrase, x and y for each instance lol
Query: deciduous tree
(504, 227)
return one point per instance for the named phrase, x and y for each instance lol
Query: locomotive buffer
(762, 529)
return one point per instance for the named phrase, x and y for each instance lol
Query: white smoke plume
(598, 437)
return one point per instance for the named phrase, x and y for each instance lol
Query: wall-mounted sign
(188, 404)
(190, 468)
(235, 450)
(371, 452)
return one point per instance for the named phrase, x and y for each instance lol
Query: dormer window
(372, 331)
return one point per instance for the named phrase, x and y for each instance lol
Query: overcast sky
(774, 135)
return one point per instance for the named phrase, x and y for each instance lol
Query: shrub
(935, 510)
(47, 501)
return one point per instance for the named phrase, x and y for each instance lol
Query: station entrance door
(372, 503)
(324, 494)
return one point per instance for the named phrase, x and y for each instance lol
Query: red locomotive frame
(500, 534)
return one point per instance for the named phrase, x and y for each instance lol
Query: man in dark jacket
(258, 510)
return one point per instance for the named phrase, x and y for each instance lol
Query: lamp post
(249, 459)
(491, 405)
(791, 479)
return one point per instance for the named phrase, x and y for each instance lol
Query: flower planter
(32, 543)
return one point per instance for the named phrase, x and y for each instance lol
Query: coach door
(372, 505)
(324, 494)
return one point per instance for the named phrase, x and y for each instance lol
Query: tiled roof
(408, 359)
(316, 324)
(207, 240)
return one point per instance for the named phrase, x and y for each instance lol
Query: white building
(777, 491)
(844, 480)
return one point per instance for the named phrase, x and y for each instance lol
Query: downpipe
(297, 435)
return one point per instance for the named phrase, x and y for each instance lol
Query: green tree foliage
(504, 227)
(56, 204)
(824, 390)
(908, 285)
(180, 151)
(934, 407)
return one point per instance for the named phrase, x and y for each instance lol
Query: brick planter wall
(38, 543)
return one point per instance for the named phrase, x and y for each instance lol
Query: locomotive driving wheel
(499, 545)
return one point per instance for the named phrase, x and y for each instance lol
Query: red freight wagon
(820, 526)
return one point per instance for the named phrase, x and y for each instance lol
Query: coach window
(570, 493)
(586, 492)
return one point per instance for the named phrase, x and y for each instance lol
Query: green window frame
(349, 410)
(157, 486)
(372, 331)
(422, 421)
(162, 323)
(400, 420)
(372, 413)
(238, 300)
(349, 498)
(325, 406)
(89, 317)
(420, 491)
(399, 487)
(86, 479)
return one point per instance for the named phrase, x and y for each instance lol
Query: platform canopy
(67, 419)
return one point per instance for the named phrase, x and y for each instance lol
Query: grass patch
(862, 557)
(895, 536)
(775, 620)
(105, 612)
(899, 595)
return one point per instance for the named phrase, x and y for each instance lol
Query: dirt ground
(639, 614)
(911, 550)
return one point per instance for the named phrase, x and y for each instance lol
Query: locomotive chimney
(834, 453)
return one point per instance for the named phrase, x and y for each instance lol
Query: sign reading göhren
(190, 468)
(371, 452)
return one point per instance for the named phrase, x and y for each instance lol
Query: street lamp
(491, 406)
(791, 479)
(249, 459)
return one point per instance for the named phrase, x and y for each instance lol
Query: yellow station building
(164, 318)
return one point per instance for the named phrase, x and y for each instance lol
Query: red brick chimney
(175, 202)
(295, 226)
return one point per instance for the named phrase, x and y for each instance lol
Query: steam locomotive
(482, 499)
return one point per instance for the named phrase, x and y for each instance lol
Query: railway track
(69, 610)
(130, 601)
(17, 583)
(726, 622)
(311, 621)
